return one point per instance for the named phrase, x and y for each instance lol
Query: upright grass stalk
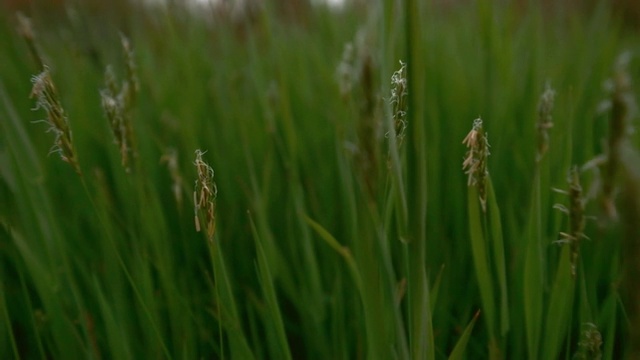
(534, 275)
(622, 173)
(486, 236)
(559, 312)
(422, 344)
(397, 126)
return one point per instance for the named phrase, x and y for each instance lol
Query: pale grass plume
(204, 195)
(47, 98)
(475, 161)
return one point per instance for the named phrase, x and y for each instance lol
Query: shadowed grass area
(246, 184)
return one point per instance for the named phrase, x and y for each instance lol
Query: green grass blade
(7, 331)
(229, 313)
(342, 250)
(274, 320)
(461, 345)
(480, 255)
(499, 260)
(559, 312)
(435, 289)
(119, 344)
(532, 281)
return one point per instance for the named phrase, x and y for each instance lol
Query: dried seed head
(475, 161)
(47, 98)
(545, 120)
(204, 195)
(577, 218)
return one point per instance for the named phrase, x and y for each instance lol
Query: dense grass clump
(250, 182)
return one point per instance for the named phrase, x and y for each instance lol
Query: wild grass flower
(577, 218)
(47, 98)
(545, 120)
(475, 161)
(398, 101)
(204, 195)
(117, 102)
(590, 343)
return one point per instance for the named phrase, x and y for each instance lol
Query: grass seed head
(622, 108)
(545, 120)
(577, 218)
(590, 343)
(204, 195)
(47, 98)
(475, 161)
(117, 102)
(131, 86)
(398, 101)
(358, 81)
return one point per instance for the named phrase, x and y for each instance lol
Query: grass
(339, 222)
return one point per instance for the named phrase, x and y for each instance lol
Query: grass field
(257, 184)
